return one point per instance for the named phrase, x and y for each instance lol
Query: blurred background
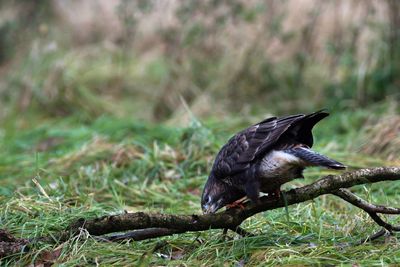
(119, 66)
(145, 59)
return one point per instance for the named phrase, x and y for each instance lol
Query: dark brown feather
(245, 146)
(250, 160)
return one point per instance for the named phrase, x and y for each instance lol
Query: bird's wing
(237, 155)
(300, 132)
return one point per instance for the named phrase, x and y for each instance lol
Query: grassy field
(111, 165)
(96, 104)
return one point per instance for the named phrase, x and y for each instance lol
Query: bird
(261, 158)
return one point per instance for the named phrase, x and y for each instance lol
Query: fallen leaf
(177, 254)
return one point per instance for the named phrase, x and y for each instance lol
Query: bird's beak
(207, 209)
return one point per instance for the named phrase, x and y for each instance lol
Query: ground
(54, 171)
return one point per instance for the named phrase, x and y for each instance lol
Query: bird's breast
(278, 163)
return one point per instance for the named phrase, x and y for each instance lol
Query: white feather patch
(283, 157)
(279, 163)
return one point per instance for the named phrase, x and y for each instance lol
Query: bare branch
(371, 209)
(361, 203)
(382, 232)
(382, 223)
(168, 224)
(11, 245)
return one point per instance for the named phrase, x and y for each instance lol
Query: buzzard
(261, 158)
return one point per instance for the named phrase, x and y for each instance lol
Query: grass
(112, 164)
(71, 145)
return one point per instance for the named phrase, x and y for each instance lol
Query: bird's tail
(315, 159)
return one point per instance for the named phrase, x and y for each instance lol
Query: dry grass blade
(384, 137)
(99, 149)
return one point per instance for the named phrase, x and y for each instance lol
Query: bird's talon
(277, 193)
(234, 206)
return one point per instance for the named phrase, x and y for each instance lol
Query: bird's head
(211, 202)
(215, 195)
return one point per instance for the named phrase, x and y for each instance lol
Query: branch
(141, 234)
(11, 245)
(361, 203)
(372, 211)
(156, 225)
(382, 232)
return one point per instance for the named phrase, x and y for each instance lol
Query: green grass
(111, 164)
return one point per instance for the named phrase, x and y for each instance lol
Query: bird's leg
(274, 194)
(252, 189)
(224, 232)
(277, 193)
(237, 204)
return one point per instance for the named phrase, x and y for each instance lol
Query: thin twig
(141, 234)
(382, 232)
(361, 203)
(371, 209)
(380, 222)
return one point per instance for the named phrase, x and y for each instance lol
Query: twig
(371, 209)
(382, 232)
(140, 234)
(361, 203)
(379, 221)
